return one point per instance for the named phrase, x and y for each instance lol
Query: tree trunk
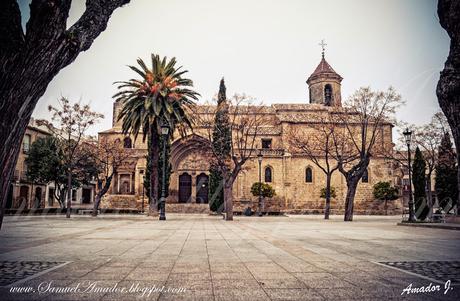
(429, 197)
(352, 185)
(228, 200)
(101, 193)
(30, 61)
(328, 197)
(154, 158)
(69, 194)
(448, 89)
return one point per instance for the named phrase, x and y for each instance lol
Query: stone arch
(185, 187)
(127, 142)
(328, 94)
(268, 174)
(191, 155)
(308, 174)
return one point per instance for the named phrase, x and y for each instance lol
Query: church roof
(324, 70)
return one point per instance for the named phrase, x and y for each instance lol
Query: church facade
(296, 180)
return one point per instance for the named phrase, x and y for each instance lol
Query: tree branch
(93, 21)
(11, 34)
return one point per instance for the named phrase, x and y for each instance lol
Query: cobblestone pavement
(251, 258)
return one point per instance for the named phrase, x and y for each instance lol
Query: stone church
(296, 180)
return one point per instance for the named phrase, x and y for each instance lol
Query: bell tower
(324, 83)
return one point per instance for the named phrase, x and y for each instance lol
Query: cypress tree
(419, 181)
(221, 143)
(446, 175)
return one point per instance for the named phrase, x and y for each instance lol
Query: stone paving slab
(202, 257)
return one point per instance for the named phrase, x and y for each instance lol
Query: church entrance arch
(202, 190)
(185, 187)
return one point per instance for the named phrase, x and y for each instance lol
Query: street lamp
(407, 135)
(259, 158)
(164, 133)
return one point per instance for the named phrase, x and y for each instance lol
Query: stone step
(187, 208)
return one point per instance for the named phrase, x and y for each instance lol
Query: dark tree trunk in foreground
(154, 181)
(448, 89)
(28, 63)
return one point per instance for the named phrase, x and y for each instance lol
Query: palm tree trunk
(154, 158)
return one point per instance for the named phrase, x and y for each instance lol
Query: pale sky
(266, 49)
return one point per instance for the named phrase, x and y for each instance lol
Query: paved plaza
(201, 257)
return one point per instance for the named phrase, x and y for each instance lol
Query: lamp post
(259, 158)
(164, 133)
(407, 135)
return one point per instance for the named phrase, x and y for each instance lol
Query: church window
(365, 178)
(127, 143)
(328, 95)
(26, 144)
(268, 175)
(309, 175)
(266, 143)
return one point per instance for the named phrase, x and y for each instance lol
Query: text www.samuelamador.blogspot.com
(93, 287)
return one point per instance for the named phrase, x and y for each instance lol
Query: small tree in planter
(385, 192)
(266, 190)
(323, 192)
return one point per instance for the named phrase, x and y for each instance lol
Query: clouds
(265, 49)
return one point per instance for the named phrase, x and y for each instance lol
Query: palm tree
(161, 96)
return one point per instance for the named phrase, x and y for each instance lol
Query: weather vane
(323, 47)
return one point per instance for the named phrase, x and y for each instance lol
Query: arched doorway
(23, 196)
(38, 197)
(202, 188)
(185, 187)
(9, 198)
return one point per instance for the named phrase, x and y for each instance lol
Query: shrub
(266, 190)
(323, 192)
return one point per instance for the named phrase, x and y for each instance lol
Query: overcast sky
(266, 49)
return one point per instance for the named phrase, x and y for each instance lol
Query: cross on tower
(323, 47)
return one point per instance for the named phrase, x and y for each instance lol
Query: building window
(328, 95)
(309, 175)
(268, 175)
(266, 143)
(365, 178)
(26, 144)
(127, 143)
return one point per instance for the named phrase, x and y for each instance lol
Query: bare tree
(320, 143)
(30, 60)
(364, 115)
(108, 157)
(428, 137)
(72, 123)
(449, 82)
(246, 121)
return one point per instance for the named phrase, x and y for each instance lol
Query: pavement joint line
(260, 286)
(182, 248)
(409, 273)
(37, 274)
(45, 241)
(266, 237)
(209, 265)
